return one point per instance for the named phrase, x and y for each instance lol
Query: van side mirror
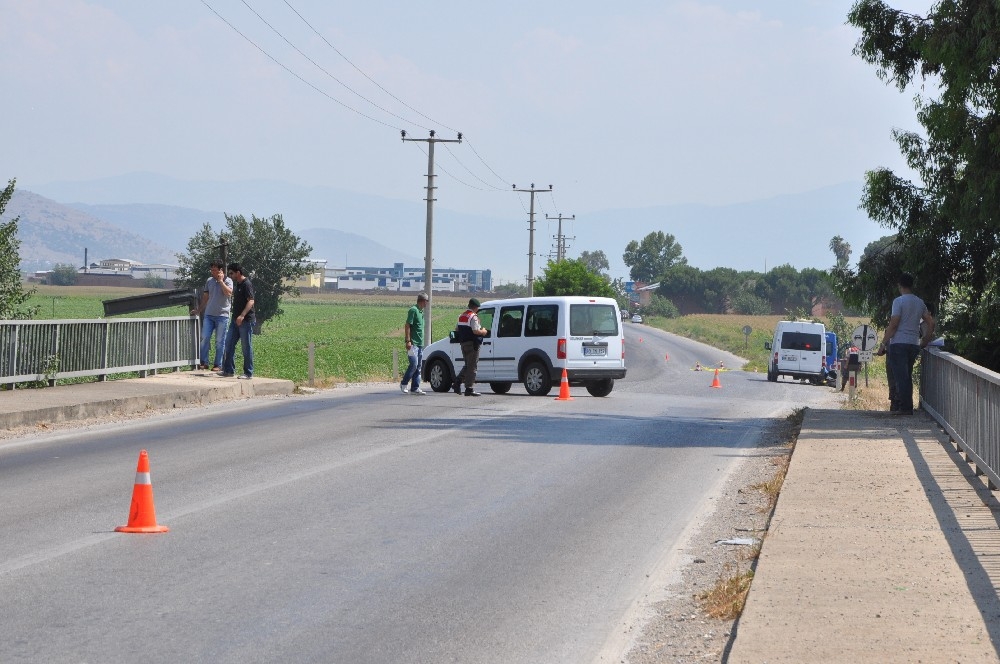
(767, 345)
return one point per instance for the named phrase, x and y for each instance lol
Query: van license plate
(595, 351)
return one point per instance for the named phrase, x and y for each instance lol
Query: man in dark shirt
(242, 326)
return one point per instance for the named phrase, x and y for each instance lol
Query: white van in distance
(532, 339)
(798, 351)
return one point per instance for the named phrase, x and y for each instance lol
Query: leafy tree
(842, 250)
(572, 277)
(660, 306)
(872, 287)
(511, 290)
(650, 259)
(273, 256)
(63, 274)
(596, 262)
(13, 296)
(152, 281)
(746, 303)
(948, 220)
(683, 285)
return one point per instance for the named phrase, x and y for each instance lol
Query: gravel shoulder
(680, 630)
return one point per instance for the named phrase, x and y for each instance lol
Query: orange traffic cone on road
(564, 388)
(142, 514)
(715, 381)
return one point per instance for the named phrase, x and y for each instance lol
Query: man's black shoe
(457, 387)
(472, 393)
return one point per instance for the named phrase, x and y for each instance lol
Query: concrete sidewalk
(884, 547)
(67, 403)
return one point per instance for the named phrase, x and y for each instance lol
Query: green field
(355, 334)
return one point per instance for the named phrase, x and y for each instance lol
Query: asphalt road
(364, 525)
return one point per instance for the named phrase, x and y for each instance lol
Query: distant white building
(137, 270)
(408, 280)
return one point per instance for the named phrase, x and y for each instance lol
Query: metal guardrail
(53, 349)
(964, 398)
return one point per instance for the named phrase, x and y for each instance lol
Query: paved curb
(66, 403)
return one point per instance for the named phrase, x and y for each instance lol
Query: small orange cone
(667, 357)
(564, 388)
(142, 514)
(715, 381)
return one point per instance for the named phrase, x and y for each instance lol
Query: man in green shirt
(413, 333)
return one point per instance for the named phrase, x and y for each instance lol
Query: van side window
(486, 317)
(592, 320)
(510, 321)
(801, 341)
(541, 320)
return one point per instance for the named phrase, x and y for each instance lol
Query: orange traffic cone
(715, 381)
(667, 357)
(142, 514)
(564, 388)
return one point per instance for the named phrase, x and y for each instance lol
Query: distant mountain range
(150, 218)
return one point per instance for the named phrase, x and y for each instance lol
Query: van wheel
(537, 380)
(601, 388)
(772, 375)
(439, 376)
(500, 388)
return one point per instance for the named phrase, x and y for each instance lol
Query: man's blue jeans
(218, 325)
(900, 361)
(244, 334)
(413, 371)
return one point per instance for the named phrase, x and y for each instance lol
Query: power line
(360, 71)
(275, 61)
(325, 71)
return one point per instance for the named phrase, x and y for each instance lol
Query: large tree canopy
(947, 223)
(650, 259)
(572, 277)
(13, 296)
(272, 256)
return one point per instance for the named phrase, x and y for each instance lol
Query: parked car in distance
(532, 340)
(798, 351)
(636, 318)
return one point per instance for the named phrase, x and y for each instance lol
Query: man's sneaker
(202, 367)
(417, 391)
(226, 375)
(472, 393)
(244, 376)
(216, 369)
(403, 388)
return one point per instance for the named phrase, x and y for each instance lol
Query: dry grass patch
(725, 600)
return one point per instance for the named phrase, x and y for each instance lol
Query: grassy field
(355, 334)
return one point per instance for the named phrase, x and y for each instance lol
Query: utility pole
(560, 238)
(531, 236)
(428, 259)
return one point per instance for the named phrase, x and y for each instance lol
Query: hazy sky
(616, 104)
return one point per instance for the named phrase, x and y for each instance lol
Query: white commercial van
(799, 351)
(532, 339)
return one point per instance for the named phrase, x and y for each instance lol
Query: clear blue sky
(627, 104)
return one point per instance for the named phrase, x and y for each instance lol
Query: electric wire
(277, 62)
(362, 97)
(325, 71)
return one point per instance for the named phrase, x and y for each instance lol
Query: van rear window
(587, 320)
(801, 341)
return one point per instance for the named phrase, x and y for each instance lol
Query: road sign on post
(865, 338)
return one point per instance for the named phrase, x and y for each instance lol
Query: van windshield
(587, 320)
(800, 341)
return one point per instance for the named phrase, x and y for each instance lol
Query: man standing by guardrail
(903, 342)
(216, 301)
(242, 326)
